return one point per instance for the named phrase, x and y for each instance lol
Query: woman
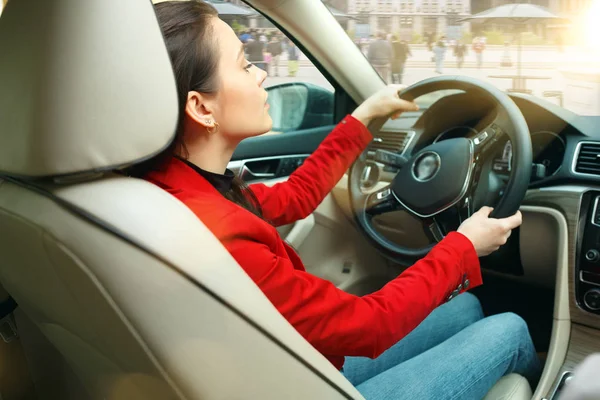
(439, 52)
(222, 102)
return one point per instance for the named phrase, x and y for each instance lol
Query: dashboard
(548, 150)
(559, 246)
(556, 134)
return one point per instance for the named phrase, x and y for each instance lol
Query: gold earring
(213, 129)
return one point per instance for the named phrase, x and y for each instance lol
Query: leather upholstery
(510, 387)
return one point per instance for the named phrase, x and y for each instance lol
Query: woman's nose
(261, 76)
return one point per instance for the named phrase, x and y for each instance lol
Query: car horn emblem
(426, 166)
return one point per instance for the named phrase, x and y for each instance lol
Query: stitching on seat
(514, 389)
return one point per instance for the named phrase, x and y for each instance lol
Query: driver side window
(300, 97)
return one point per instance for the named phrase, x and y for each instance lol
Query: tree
(237, 27)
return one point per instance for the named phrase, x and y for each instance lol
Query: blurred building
(408, 17)
(562, 7)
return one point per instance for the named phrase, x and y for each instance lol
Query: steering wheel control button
(592, 299)
(383, 194)
(592, 255)
(391, 159)
(480, 138)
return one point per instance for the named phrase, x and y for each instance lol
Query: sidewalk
(532, 57)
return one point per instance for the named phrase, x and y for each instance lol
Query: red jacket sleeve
(299, 196)
(340, 324)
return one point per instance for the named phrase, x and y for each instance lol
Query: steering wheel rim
(518, 182)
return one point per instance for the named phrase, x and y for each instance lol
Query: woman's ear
(199, 108)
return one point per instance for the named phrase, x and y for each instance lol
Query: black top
(221, 182)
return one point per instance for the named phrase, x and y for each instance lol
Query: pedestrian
(506, 60)
(245, 37)
(429, 37)
(364, 45)
(478, 48)
(255, 52)
(275, 49)
(459, 52)
(293, 55)
(380, 56)
(263, 39)
(400, 52)
(439, 51)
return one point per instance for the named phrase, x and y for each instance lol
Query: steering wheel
(445, 182)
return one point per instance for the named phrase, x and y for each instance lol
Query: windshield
(555, 58)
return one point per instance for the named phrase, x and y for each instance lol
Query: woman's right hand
(488, 234)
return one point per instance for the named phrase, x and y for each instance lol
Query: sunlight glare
(591, 26)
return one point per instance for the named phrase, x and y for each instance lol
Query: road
(544, 61)
(556, 82)
(537, 61)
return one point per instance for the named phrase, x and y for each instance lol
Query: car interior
(116, 290)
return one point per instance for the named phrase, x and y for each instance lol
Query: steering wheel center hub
(436, 178)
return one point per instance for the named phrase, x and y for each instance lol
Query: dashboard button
(592, 255)
(592, 299)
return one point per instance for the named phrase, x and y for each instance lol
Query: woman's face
(240, 104)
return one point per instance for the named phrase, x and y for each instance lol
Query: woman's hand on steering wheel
(442, 183)
(383, 103)
(488, 234)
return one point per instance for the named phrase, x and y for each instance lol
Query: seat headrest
(85, 86)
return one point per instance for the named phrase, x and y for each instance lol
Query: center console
(587, 271)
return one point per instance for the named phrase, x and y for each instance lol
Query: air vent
(588, 158)
(395, 142)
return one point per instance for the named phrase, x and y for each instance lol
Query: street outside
(542, 61)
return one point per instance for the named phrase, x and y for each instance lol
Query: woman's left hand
(384, 103)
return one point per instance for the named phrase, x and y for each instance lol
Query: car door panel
(277, 144)
(267, 168)
(327, 240)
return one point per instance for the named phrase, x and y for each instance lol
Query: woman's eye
(247, 67)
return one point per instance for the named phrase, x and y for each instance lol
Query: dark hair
(194, 55)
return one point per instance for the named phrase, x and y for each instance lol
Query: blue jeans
(454, 353)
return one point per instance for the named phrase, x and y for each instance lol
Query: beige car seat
(124, 281)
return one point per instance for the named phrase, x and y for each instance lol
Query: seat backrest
(130, 287)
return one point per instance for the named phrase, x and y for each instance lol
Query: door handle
(247, 174)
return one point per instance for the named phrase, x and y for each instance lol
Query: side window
(300, 97)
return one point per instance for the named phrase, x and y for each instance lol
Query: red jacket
(336, 323)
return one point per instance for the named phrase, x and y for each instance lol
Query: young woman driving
(403, 341)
